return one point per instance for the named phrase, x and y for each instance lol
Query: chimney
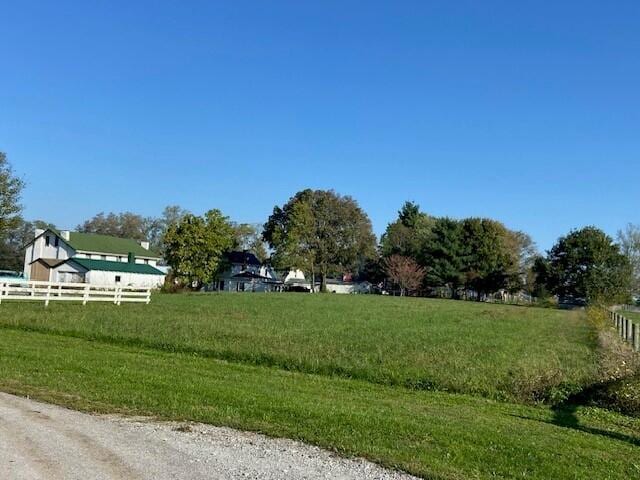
(38, 232)
(64, 234)
(144, 244)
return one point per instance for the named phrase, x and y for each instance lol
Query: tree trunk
(313, 279)
(323, 281)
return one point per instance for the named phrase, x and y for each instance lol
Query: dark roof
(244, 258)
(49, 262)
(109, 266)
(255, 276)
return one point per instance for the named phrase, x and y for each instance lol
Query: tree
(10, 190)
(195, 246)
(249, 237)
(404, 272)
(123, 225)
(587, 266)
(444, 252)
(155, 227)
(12, 245)
(406, 235)
(629, 240)
(490, 260)
(320, 232)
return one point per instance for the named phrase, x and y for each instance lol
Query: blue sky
(522, 111)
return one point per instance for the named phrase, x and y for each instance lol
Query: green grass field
(436, 435)
(333, 371)
(501, 352)
(635, 316)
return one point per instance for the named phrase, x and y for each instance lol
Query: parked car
(11, 276)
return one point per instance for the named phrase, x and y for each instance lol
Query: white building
(91, 258)
(247, 274)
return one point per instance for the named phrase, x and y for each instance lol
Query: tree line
(326, 234)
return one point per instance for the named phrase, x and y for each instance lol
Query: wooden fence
(628, 330)
(79, 292)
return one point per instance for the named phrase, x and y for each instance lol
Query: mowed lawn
(433, 434)
(496, 351)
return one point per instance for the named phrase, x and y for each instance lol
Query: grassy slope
(502, 352)
(437, 435)
(635, 316)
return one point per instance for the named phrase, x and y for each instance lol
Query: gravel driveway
(41, 441)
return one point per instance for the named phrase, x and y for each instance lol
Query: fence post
(629, 330)
(148, 295)
(618, 324)
(85, 297)
(46, 302)
(636, 337)
(1, 290)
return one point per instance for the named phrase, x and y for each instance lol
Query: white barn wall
(99, 277)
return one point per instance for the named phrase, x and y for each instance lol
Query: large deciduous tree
(587, 266)
(320, 232)
(404, 272)
(195, 246)
(10, 189)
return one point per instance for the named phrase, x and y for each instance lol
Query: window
(56, 241)
(146, 260)
(103, 257)
(47, 240)
(117, 278)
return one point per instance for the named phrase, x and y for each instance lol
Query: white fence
(79, 292)
(628, 330)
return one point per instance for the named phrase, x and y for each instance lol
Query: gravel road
(41, 441)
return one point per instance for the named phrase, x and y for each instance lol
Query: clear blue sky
(527, 112)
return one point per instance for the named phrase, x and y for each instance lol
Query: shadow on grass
(565, 416)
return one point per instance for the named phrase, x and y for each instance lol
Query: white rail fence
(79, 292)
(628, 330)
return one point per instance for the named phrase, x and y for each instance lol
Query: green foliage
(490, 260)
(10, 190)
(444, 252)
(194, 246)
(587, 266)
(12, 246)
(408, 233)
(249, 237)
(320, 232)
(629, 240)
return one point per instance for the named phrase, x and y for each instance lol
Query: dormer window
(56, 241)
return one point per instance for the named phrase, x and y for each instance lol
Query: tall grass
(497, 351)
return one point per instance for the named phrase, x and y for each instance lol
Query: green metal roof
(93, 242)
(109, 266)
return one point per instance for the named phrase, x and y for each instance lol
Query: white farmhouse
(66, 256)
(246, 274)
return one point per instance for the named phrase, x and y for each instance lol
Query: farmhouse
(246, 273)
(64, 256)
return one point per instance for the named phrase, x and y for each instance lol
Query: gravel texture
(41, 441)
